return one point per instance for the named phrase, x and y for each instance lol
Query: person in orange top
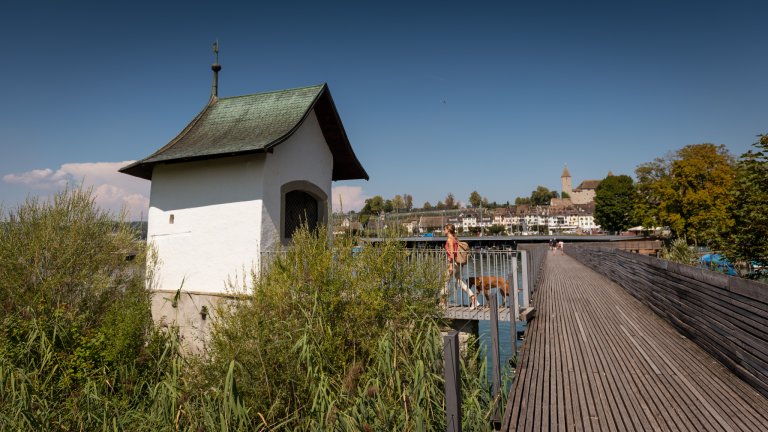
(454, 268)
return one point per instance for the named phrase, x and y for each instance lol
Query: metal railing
(488, 272)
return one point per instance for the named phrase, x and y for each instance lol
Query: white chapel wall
(216, 207)
(304, 156)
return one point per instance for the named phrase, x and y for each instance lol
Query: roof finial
(216, 67)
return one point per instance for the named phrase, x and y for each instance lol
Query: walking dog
(486, 283)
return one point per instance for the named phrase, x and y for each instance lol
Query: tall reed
(326, 340)
(331, 340)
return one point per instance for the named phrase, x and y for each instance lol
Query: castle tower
(565, 182)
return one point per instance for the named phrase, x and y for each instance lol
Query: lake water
(505, 342)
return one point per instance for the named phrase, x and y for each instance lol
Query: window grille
(300, 208)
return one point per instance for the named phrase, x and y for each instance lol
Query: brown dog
(485, 283)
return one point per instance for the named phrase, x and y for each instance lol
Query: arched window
(300, 208)
(301, 202)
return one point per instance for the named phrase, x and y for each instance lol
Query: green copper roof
(255, 123)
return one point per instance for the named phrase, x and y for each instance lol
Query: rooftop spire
(565, 172)
(215, 67)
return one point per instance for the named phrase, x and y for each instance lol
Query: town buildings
(514, 220)
(571, 215)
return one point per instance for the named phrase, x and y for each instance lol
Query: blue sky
(436, 97)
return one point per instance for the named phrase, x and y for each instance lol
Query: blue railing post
(526, 287)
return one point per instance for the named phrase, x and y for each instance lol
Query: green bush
(325, 341)
(329, 340)
(66, 270)
(679, 251)
(75, 312)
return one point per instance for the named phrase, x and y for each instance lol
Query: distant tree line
(540, 196)
(404, 203)
(702, 193)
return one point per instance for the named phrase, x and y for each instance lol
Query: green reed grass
(329, 340)
(324, 340)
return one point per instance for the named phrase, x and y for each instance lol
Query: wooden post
(452, 382)
(496, 384)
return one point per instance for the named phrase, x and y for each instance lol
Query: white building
(237, 181)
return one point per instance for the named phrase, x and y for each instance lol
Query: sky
(435, 97)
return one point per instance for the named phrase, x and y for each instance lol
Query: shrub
(65, 270)
(76, 338)
(325, 341)
(332, 341)
(678, 251)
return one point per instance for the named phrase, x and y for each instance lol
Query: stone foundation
(190, 312)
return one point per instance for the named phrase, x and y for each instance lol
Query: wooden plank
(624, 389)
(587, 368)
(678, 294)
(661, 377)
(692, 417)
(574, 421)
(627, 359)
(527, 314)
(560, 413)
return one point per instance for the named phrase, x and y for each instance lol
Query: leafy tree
(564, 195)
(614, 203)
(398, 203)
(475, 199)
(427, 206)
(388, 206)
(373, 205)
(748, 238)
(408, 201)
(542, 196)
(522, 201)
(440, 205)
(689, 191)
(450, 202)
(651, 188)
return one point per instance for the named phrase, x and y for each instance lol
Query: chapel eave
(256, 123)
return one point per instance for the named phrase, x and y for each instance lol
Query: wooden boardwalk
(596, 359)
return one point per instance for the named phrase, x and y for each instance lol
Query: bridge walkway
(596, 359)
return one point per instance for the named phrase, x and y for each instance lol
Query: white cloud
(350, 197)
(112, 190)
(33, 177)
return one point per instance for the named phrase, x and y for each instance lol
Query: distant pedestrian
(560, 247)
(454, 268)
